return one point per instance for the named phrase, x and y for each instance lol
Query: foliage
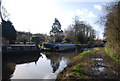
(8, 30)
(59, 38)
(117, 59)
(56, 28)
(66, 40)
(37, 38)
(56, 31)
(112, 29)
(80, 32)
(23, 36)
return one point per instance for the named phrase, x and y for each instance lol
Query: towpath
(101, 66)
(95, 65)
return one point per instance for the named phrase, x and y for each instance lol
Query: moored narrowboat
(60, 46)
(19, 49)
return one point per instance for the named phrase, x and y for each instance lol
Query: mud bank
(92, 64)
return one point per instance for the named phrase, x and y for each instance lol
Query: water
(98, 59)
(35, 66)
(99, 69)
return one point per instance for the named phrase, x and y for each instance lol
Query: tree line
(78, 32)
(112, 29)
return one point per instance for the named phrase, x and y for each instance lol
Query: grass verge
(111, 55)
(75, 69)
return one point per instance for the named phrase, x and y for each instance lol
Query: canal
(45, 65)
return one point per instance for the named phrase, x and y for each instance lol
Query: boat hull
(60, 47)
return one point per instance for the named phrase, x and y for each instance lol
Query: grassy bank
(110, 54)
(86, 66)
(75, 69)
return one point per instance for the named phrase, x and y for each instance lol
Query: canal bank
(92, 64)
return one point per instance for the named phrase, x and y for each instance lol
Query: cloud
(85, 13)
(50, 76)
(40, 16)
(85, 0)
(98, 7)
(80, 12)
(66, 17)
(99, 30)
(91, 15)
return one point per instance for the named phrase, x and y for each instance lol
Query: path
(101, 66)
(94, 65)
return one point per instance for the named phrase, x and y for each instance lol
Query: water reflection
(8, 69)
(45, 65)
(57, 58)
(9, 63)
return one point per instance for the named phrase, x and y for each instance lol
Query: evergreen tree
(56, 31)
(8, 31)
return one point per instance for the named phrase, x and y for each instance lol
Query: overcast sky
(37, 16)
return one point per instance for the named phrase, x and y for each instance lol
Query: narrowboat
(60, 47)
(20, 49)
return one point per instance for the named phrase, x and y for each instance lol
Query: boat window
(9, 48)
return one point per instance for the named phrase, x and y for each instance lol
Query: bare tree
(112, 28)
(80, 31)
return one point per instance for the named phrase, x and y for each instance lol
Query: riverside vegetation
(92, 64)
(99, 63)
